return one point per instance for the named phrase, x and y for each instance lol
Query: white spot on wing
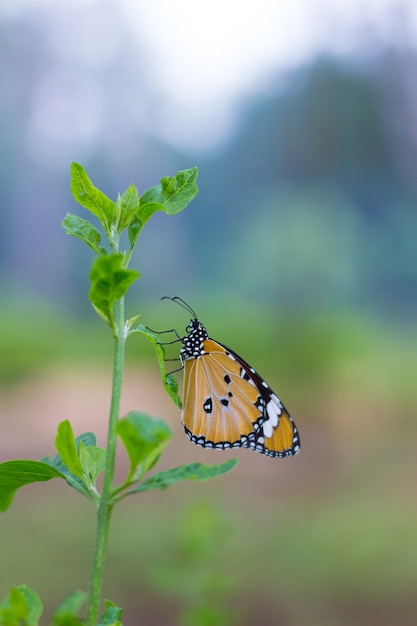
(273, 409)
(268, 429)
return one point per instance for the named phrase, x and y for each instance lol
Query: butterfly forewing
(221, 409)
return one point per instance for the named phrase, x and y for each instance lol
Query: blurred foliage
(318, 204)
(36, 336)
(192, 575)
(343, 350)
(325, 540)
(306, 558)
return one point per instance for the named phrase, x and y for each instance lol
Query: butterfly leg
(169, 343)
(163, 332)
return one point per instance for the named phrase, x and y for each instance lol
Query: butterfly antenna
(182, 303)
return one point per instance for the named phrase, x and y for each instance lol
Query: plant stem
(105, 506)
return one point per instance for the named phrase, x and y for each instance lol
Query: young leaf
(85, 231)
(67, 449)
(16, 474)
(66, 613)
(109, 282)
(88, 440)
(194, 471)
(169, 381)
(144, 438)
(112, 615)
(93, 460)
(129, 206)
(86, 194)
(129, 323)
(22, 607)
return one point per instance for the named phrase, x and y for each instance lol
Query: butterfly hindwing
(278, 435)
(281, 441)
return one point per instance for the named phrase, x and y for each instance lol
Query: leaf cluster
(110, 277)
(79, 461)
(23, 607)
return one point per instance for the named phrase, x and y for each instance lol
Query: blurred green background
(299, 252)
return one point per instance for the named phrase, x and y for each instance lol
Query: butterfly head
(192, 343)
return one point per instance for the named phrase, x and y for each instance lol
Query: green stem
(105, 506)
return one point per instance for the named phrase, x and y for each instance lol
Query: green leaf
(138, 222)
(147, 209)
(86, 194)
(169, 381)
(16, 474)
(82, 229)
(128, 205)
(109, 282)
(171, 386)
(174, 193)
(134, 229)
(171, 196)
(66, 613)
(194, 471)
(112, 615)
(144, 438)
(22, 607)
(67, 449)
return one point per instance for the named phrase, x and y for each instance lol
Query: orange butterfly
(226, 403)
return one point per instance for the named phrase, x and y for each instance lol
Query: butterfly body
(227, 404)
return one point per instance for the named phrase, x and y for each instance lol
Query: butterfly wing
(222, 408)
(227, 404)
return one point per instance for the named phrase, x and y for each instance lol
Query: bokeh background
(299, 252)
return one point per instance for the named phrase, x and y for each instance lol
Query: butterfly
(226, 403)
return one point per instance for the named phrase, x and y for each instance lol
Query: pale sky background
(192, 66)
